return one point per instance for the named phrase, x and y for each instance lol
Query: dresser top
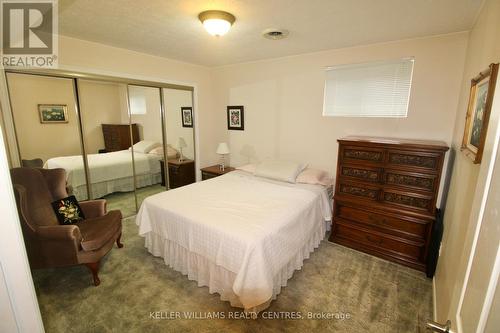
(396, 141)
(175, 161)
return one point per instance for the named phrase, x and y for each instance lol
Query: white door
(479, 291)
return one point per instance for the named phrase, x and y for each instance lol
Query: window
(377, 89)
(137, 104)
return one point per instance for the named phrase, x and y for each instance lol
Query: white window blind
(137, 104)
(377, 89)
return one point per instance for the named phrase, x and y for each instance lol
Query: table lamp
(181, 143)
(222, 150)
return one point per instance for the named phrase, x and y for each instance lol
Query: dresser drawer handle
(376, 241)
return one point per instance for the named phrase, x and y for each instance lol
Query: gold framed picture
(478, 113)
(53, 113)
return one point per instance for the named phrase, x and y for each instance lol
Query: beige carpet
(125, 201)
(378, 296)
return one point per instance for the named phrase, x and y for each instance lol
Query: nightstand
(214, 171)
(179, 173)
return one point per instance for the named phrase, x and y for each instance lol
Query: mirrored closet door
(108, 137)
(179, 134)
(46, 121)
(145, 108)
(116, 140)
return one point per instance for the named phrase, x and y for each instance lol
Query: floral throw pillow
(68, 210)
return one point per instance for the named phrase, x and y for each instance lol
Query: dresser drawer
(418, 181)
(392, 246)
(408, 159)
(173, 169)
(405, 199)
(354, 154)
(358, 190)
(385, 223)
(364, 173)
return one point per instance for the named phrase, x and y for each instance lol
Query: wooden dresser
(117, 136)
(179, 173)
(214, 171)
(385, 196)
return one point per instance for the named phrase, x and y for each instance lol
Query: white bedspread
(248, 225)
(105, 167)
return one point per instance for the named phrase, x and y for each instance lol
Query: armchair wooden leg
(118, 243)
(94, 268)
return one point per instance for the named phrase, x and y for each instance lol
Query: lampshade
(216, 22)
(222, 149)
(181, 143)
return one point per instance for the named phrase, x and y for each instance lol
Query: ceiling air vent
(275, 33)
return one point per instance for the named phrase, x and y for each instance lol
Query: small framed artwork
(53, 113)
(187, 116)
(235, 118)
(478, 113)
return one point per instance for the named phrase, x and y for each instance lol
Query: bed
(241, 235)
(109, 172)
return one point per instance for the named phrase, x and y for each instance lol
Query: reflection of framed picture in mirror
(53, 113)
(235, 118)
(478, 113)
(187, 116)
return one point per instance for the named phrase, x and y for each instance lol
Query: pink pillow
(248, 168)
(314, 176)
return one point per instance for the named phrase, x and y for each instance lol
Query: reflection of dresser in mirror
(179, 173)
(117, 136)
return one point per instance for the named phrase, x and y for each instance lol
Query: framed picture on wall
(478, 113)
(235, 118)
(187, 116)
(53, 113)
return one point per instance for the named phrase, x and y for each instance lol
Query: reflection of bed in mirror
(110, 172)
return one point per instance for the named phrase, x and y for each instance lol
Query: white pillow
(145, 146)
(314, 176)
(171, 152)
(156, 151)
(280, 170)
(248, 168)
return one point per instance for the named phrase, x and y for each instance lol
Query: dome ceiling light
(216, 22)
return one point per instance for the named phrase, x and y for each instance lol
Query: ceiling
(170, 28)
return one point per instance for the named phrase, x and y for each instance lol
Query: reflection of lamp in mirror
(181, 144)
(222, 150)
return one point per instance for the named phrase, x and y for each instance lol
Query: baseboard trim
(434, 298)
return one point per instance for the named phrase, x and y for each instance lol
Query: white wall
(283, 100)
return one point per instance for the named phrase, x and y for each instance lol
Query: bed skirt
(126, 184)
(217, 278)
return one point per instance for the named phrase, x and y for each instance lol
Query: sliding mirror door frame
(129, 113)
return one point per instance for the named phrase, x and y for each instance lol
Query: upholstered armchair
(50, 244)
